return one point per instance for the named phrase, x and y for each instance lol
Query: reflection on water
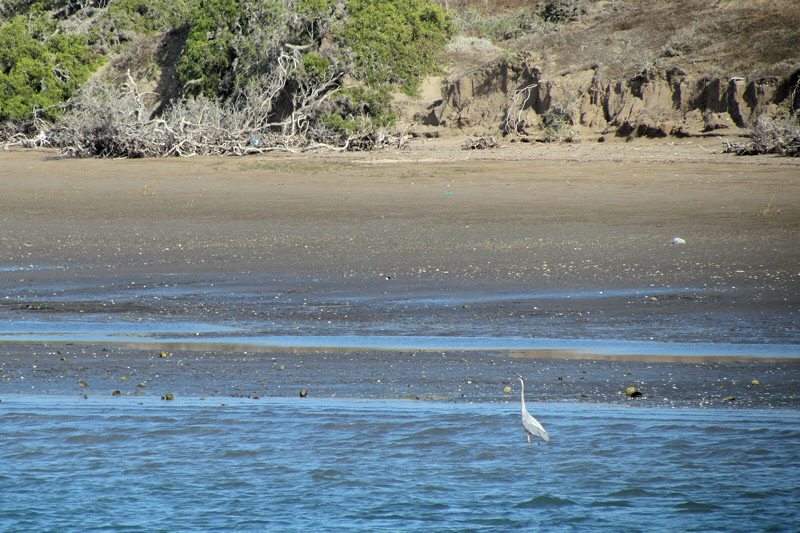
(316, 465)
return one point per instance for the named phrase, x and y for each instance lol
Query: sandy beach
(560, 241)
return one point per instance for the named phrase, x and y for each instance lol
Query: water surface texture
(329, 465)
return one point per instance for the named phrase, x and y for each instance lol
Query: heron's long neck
(522, 393)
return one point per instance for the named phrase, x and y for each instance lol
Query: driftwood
(769, 137)
(480, 144)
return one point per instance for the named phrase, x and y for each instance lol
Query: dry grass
(751, 38)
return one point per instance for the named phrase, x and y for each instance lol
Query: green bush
(390, 41)
(360, 108)
(151, 16)
(396, 41)
(40, 69)
(274, 48)
(13, 8)
(209, 48)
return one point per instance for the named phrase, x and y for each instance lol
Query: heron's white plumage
(531, 425)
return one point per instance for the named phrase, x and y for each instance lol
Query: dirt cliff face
(513, 97)
(634, 68)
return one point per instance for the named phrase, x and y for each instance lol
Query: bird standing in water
(82, 384)
(531, 425)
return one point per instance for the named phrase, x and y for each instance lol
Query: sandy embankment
(587, 217)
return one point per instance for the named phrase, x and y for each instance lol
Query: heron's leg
(529, 439)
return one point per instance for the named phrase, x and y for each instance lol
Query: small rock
(653, 299)
(124, 378)
(281, 367)
(303, 393)
(507, 390)
(169, 397)
(754, 382)
(678, 240)
(141, 385)
(164, 355)
(729, 399)
(633, 393)
(63, 358)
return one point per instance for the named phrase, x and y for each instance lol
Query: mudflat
(569, 241)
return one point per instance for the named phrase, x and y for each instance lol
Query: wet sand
(458, 376)
(96, 238)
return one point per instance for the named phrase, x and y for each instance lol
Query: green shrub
(13, 8)
(360, 108)
(396, 41)
(240, 48)
(151, 16)
(209, 51)
(40, 69)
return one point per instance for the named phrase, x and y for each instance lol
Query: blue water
(69, 464)
(174, 336)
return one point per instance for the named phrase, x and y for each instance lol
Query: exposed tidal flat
(403, 291)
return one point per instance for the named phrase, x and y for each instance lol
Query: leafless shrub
(768, 136)
(108, 121)
(557, 121)
(513, 122)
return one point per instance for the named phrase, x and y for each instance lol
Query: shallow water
(139, 336)
(409, 314)
(327, 465)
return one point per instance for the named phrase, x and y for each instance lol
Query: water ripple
(357, 466)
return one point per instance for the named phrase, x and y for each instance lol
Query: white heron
(531, 425)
